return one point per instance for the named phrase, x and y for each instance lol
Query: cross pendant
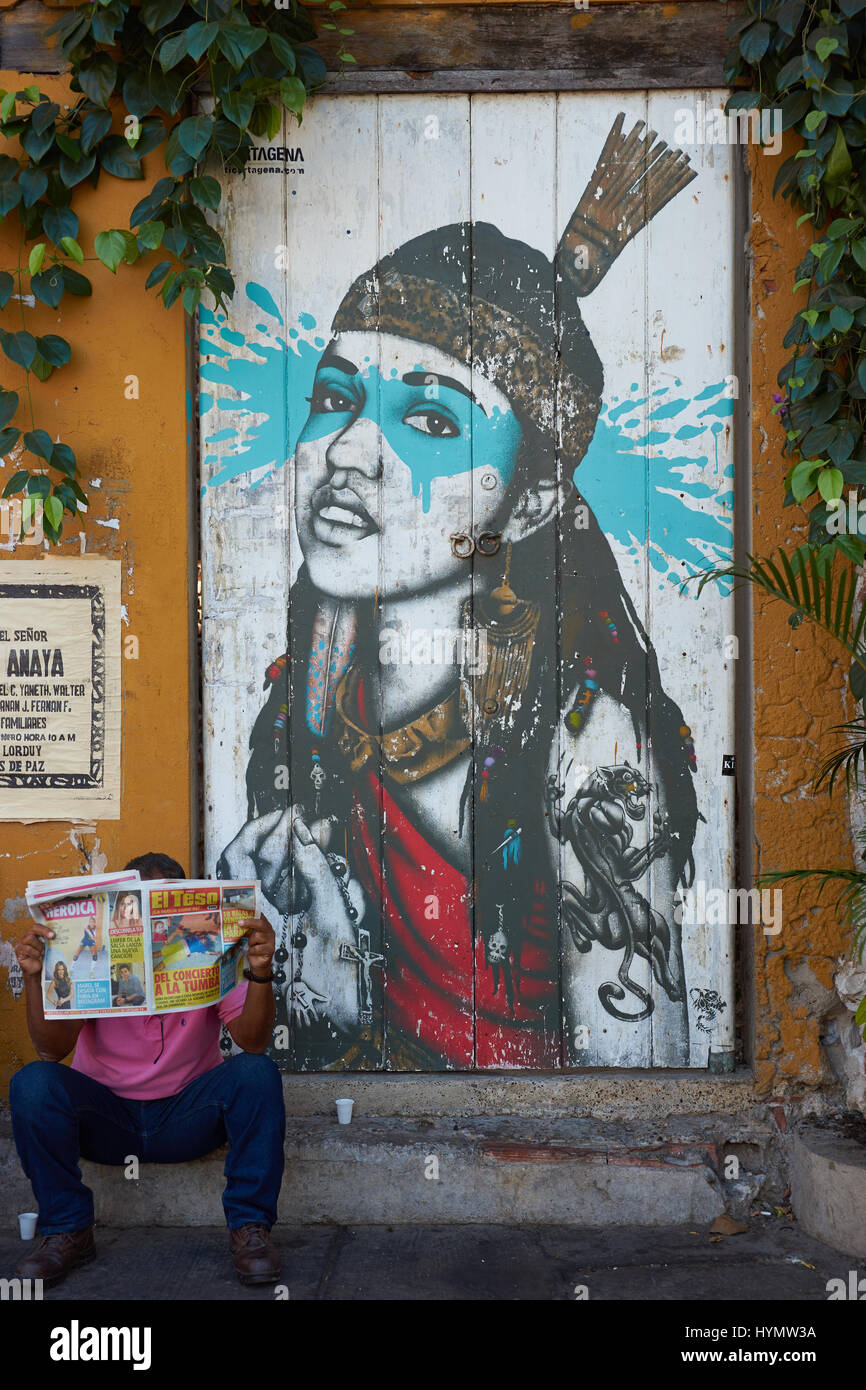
(364, 958)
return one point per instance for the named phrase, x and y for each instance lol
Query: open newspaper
(123, 945)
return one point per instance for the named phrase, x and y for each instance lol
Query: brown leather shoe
(256, 1260)
(56, 1255)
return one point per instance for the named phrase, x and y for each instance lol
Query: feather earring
(332, 650)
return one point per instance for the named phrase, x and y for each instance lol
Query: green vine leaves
(809, 61)
(135, 65)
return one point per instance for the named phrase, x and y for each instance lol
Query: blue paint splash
(259, 295)
(647, 493)
(259, 394)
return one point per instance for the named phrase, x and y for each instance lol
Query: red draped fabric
(432, 994)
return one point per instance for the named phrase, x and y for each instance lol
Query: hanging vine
(808, 60)
(136, 69)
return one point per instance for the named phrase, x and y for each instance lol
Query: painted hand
(262, 849)
(305, 1002)
(327, 907)
(282, 851)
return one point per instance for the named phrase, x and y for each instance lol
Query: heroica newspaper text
(123, 946)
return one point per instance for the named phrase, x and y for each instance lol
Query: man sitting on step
(155, 1087)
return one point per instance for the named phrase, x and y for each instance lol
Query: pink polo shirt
(150, 1057)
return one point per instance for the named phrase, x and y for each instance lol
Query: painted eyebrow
(340, 363)
(422, 379)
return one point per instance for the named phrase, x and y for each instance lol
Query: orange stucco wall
(799, 693)
(138, 450)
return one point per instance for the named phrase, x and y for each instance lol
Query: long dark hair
(588, 622)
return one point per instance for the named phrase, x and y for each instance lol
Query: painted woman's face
(390, 465)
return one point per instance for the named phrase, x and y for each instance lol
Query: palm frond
(850, 899)
(823, 593)
(850, 757)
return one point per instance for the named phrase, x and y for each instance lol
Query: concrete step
(828, 1186)
(425, 1170)
(621, 1094)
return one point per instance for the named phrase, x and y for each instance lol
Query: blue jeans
(59, 1115)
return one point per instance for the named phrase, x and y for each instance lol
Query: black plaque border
(95, 778)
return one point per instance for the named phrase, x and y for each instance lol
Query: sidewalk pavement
(773, 1260)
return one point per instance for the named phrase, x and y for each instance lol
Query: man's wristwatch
(258, 979)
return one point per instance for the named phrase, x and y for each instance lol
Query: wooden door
(466, 428)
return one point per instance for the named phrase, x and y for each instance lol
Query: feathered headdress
(487, 299)
(633, 180)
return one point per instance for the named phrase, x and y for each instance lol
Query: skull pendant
(497, 946)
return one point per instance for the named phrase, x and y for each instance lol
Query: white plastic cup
(344, 1111)
(27, 1224)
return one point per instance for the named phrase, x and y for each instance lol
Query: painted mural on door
(460, 720)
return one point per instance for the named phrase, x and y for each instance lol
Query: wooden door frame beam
(464, 47)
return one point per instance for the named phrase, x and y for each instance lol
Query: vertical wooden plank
(603, 587)
(691, 255)
(244, 604)
(243, 514)
(246, 526)
(332, 235)
(517, 991)
(425, 498)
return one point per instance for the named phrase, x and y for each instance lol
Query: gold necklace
(423, 745)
